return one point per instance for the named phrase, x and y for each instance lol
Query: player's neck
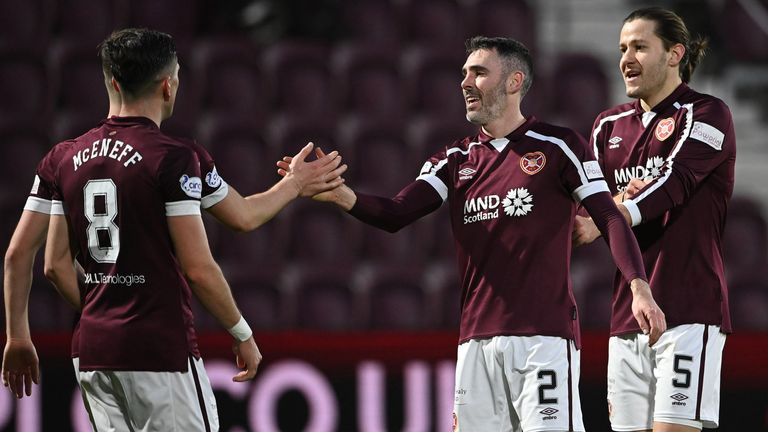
(142, 108)
(669, 86)
(504, 125)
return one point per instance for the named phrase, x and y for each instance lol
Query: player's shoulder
(618, 111)
(544, 131)
(706, 104)
(192, 144)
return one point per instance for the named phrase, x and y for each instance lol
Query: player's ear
(115, 84)
(515, 82)
(677, 52)
(166, 86)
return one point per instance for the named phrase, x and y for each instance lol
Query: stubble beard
(492, 106)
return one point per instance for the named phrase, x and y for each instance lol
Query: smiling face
(484, 87)
(645, 65)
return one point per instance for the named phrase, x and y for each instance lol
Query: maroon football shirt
(512, 202)
(687, 146)
(118, 184)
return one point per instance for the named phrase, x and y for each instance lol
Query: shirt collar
(664, 104)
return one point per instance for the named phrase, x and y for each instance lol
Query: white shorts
(676, 381)
(517, 383)
(149, 401)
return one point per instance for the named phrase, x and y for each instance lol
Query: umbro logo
(549, 413)
(679, 398)
(614, 142)
(466, 173)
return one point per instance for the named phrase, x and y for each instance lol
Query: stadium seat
(375, 151)
(298, 75)
(505, 18)
(436, 23)
(260, 299)
(229, 77)
(745, 240)
(396, 298)
(240, 151)
(433, 80)
(322, 297)
(373, 22)
(25, 25)
(287, 134)
(78, 79)
(25, 84)
(186, 111)
(179, 18)
(243, 255)
(745, 39)
(88, 22)
(582, 91)
(749, 305)
(368, 81)
(442, 287)
(595, 305)
(319, 233)
(429, 134)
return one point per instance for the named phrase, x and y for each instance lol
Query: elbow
(51, 272)
(199, 275)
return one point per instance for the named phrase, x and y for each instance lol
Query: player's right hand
(635, 186)
(647, 313)
(247, 357)
(21, 366)
(313, 177)
(584, 231)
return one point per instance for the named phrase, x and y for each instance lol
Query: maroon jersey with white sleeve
(686, 147)
(118, 184)
(512, 203)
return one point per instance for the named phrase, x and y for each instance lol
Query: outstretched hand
(21, 366)
(647, 313)
(584, 231)
(339, 194)
(312, 178)
(247, 357)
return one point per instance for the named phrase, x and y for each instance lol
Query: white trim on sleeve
(182, 208)
(589, 189)
(38, 205)
(57, 208)
(436, 183)
(214, 198)
(634, 212)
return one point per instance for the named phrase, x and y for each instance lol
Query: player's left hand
(647, 313)
(584, 231)
(312, 178)
(247, 357)
(21, 366)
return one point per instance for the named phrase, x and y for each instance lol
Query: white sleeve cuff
(436, 183)
(57, 208)
(38, 205)
(214, 198)
(182, 208)
(634, 212)
(588, 189)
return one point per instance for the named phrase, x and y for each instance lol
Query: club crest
(665, 128)
(531, 163)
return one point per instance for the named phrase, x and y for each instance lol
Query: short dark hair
(514, 56)
(135, 57)
(671, 29)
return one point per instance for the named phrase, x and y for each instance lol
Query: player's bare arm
(20, 362)
(302, 178)
(59, 265)
(209, 286)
